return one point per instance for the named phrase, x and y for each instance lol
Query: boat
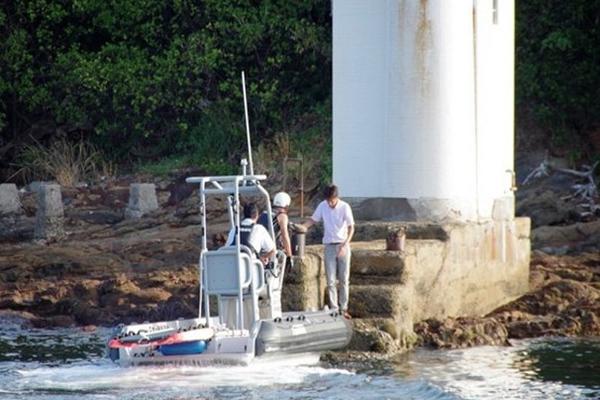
(246, 320)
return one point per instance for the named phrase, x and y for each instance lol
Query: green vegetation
(65, 161)
(558, 70)
(156, 83)
(148, 79)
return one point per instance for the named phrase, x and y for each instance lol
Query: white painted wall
(409, 119)
(495, 100)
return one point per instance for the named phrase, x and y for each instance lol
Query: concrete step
(375, 301)
(377, 267)
(379, 230)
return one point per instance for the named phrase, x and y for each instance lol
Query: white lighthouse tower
(423, 100)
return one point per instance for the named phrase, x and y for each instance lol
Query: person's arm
(316, 217)
(350, 234)
(350, 222)
(282, 220)
(267, 245)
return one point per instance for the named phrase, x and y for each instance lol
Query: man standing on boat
(338, 227)
(253, 235)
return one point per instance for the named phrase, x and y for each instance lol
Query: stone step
(377, 301)
(379, 230)
(377, 266)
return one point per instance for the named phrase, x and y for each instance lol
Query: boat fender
(177, 349)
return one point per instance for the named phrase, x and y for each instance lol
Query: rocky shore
(564, 300)
(110, 269)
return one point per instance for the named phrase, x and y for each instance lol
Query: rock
(381, 335)
(56, 321)
(368, 338)
(561, 239)
(544, 207)
(461, 332)
(142, 200)
(101, 217)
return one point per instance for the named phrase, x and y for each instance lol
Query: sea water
(70, 364)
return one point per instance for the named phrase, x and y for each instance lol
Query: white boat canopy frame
(232, 186)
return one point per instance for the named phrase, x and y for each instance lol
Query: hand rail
(228, 178)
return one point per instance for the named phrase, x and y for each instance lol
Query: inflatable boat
(246, 298)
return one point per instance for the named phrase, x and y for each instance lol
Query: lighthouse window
(495, 11)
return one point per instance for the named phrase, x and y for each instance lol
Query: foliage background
(153, 80)
(148, 79)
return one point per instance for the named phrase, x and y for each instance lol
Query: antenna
(247, 125)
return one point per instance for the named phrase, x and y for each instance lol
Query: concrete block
(9, 200)
(377, 266)
(308, 268)
(368, 301)
(49, 217)
(302, 297)
(142, 200)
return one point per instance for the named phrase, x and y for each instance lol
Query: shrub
(68, 163)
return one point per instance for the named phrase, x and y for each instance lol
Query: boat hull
(303, 332)
(188, 341)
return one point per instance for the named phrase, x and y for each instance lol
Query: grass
(165, 166)
(68, 163)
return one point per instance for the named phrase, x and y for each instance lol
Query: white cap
(282, 199)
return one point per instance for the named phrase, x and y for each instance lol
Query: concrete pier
(142, 200)
(49, 217)
(446, 270)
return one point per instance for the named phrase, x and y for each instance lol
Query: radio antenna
(250, 163)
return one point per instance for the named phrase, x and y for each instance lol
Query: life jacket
(245, 232)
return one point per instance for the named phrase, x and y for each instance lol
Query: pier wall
(446, 270)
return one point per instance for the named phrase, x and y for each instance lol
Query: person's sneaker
(347, 315)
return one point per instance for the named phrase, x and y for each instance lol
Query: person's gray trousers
(337, 268)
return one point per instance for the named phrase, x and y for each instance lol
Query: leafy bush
(558, 66)
(145, 79)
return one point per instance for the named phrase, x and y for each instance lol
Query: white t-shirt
(335, 220)
(259, 238)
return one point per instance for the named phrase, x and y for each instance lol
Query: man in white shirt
(253, 235)
(338, 226)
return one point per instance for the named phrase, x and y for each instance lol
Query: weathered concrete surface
(368, 231)
(482, 266)
(9, 200)
(49, 217)
(305, 284)
(142, 200)
(424, 209)
(450, 270)
(564, 300)
(13, 224)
